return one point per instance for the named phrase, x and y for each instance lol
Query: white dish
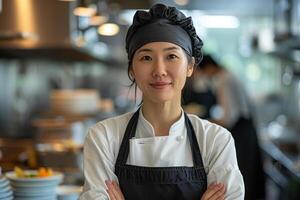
(4, 184)
(6, 194)
(16, 184)
(36, 198)
(2, 178)
(35, 189)
(5, 189)
(34, 194)
(8, 198)
(68, 192)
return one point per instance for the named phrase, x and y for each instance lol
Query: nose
(159, 68)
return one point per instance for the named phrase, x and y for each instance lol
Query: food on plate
(40, 173)
(44, 172)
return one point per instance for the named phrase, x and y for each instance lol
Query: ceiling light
(85, 10)
(100, 16)
(219, 21)
(181, 2)
(108, 29)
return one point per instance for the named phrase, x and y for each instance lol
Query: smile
(160, 85)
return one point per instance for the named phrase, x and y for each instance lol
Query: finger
(220, 192)
(111, 194)
(209, 191)
(118, 190)
(114, 191)
(219, 195)
(212, 189)
(110, 190)
(213, 185)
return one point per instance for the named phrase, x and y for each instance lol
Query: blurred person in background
(217, 95)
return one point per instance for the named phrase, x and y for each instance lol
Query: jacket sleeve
(223, 167)
(98, 164)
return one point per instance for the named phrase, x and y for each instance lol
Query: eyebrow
(165, 49)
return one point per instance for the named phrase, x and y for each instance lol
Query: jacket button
(179, 138)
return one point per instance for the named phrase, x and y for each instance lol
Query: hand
(214, 192)
(114, 191)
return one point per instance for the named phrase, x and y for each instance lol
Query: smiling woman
(159, 151)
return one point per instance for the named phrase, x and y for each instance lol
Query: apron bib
(165, 183)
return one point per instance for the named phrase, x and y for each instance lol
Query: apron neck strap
(129, 133)
(197, 158)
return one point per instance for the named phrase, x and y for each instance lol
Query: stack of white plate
(5, 189)
(34, 188)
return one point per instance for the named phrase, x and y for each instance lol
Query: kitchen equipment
(60, 128)
(55, 129)
(16, 152)
(23, 33)
(62, 156)
(76, 102)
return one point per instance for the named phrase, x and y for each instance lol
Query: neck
(161, 115)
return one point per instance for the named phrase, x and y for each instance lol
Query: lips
(160, 85)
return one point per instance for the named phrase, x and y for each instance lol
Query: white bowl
(68, 192)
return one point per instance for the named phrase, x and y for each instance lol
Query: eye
(145, 58)
(172, 56)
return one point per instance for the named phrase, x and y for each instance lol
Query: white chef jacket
(104, 139)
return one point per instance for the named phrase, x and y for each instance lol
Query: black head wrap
(163, 24)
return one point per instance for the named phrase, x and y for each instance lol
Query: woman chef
(160, 152)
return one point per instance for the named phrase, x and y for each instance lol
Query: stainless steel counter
(282, 167)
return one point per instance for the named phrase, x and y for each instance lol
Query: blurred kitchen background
(63, 67)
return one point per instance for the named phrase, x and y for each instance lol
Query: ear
(190, 68)
(131, 73)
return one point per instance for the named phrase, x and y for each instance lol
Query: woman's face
(160, 70)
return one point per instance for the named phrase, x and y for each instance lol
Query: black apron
(161, 183)
(249, 158)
